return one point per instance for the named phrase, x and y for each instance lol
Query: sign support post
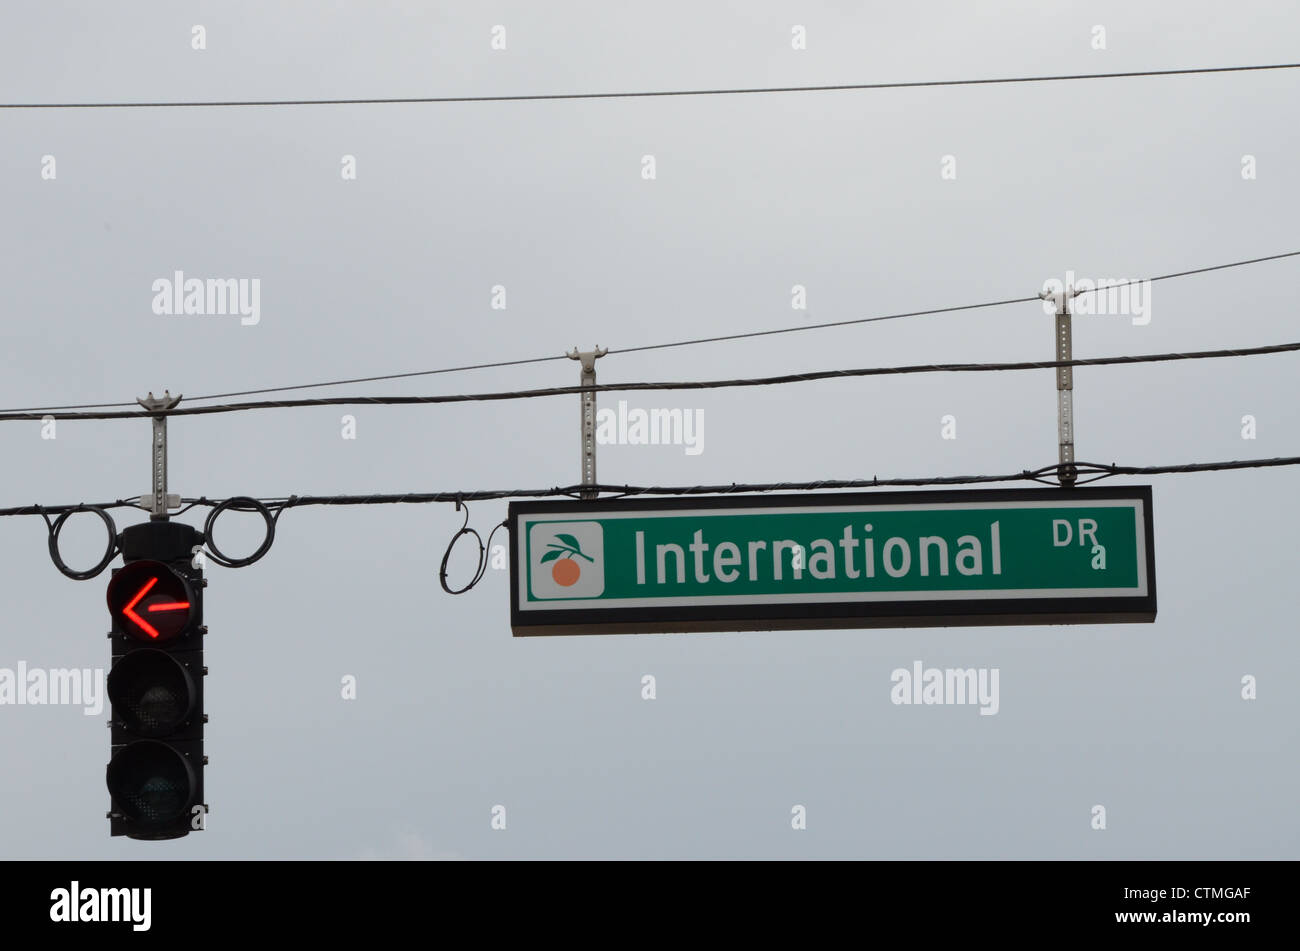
(159, 501)
(1068, 474)
(588, 378)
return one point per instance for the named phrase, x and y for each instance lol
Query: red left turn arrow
(129, 610)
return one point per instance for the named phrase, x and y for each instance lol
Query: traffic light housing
(155, 685)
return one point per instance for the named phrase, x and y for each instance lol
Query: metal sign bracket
(588, 358)
(1067, 474)
(158, 501)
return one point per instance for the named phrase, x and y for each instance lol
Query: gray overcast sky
(838, 191)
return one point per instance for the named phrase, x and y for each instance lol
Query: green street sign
(905, 559)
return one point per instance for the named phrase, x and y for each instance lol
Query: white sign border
(525, 521)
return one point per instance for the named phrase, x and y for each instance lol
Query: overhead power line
(941, 310)
(627, 491)
(561, 356)
(280, 503)
(1204, 270)
(374, 379)
(305, 386)
(723, 91)
(786, 378)
(656, 346)
(835, 323)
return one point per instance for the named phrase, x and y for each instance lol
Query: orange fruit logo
(565, 571)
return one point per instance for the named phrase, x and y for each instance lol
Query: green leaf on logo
(570, 541)
(550, 556)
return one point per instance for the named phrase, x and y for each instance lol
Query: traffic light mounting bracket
(159, 502)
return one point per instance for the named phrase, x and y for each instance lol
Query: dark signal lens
(151, 782)
(152, 694)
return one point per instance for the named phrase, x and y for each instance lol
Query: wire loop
(481, 566)
(240, 503)
(57, 527)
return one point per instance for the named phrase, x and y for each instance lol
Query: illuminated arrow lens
(150, 602)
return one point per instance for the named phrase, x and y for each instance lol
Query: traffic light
(155, 686)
